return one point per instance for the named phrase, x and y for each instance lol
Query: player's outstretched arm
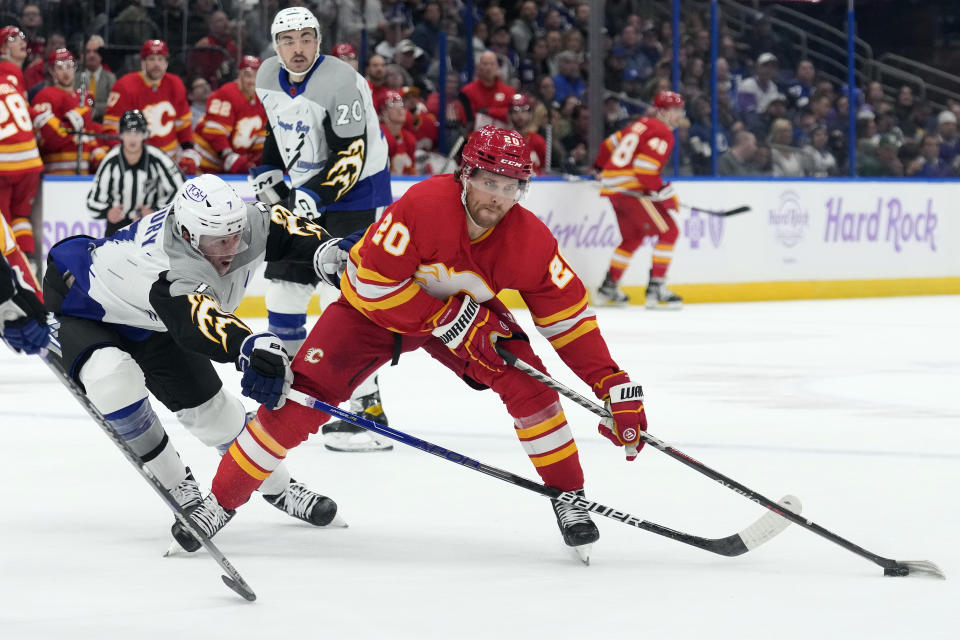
(23, 319)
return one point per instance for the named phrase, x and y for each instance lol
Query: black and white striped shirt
(152, 182)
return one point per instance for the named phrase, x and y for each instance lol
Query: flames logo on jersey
(294, 224)
(346, 170)
(212, 322)
(313, 355)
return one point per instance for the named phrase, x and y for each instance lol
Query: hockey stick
(722, 213)
(890, 567)
(233, 579)
(733, 545)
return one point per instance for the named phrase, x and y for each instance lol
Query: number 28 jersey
(18, 147)
(633, 157)
(408, 267)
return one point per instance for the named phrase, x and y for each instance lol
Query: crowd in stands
(528, 68)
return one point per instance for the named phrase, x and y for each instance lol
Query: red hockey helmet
(250, 62)
(500, 151)
(10, 32)
(667, 100)
(60, 55)
(520, 102)
(151, 47)
(344, 50)
(392, 99)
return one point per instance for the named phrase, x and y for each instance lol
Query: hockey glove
(189, 162)
(266, 370)
(75, 118)
(237, 162)
(268, 185)
(330, 261)
(24, 317)
(624, 401)
(304, 203)
(470, 330)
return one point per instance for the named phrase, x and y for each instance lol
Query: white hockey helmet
(207, 206)
(294, 19)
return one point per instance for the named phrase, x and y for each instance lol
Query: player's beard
(485, 215)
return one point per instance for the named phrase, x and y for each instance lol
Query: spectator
(519, 118)
(420, 122)
(31, 24)
(699, 136)
(575, 144)
(801, 88)
(347, 53)
(197, 17)
(820, 160)
(933, 164)
(629, 47)
(487, 98)
(535, 64)
(788, 161)
(133, 26)
(426, 34)
(95, 77)
(554, 47)
(507, 58)
(215, 52)
(456, 115)
(947, 132)
(376, 78)
(881, 162)
(387, 47)
(886, 122)
(37, 74)
(524, 28)
(412, 58)
(763, 161)
(650, 46)
(198, 94)
(353, 18)
(569, 82)
(229, 135)
(875, 94)
(169, 16)
(401, 144)
(763, 38)
(756, 92)
(904, 110)
(738, 160)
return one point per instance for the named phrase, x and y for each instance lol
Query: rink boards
(802, 238)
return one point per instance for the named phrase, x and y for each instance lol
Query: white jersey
(113, 277)
(327, 133)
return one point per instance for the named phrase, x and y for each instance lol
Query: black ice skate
(610, 294)
(343, 436)
(187, 493)
(659, 297)
(311, 507)
(577, 528)
(208, 518)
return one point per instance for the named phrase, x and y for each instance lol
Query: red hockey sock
(547, 439)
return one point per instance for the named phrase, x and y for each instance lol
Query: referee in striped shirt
(134, 179)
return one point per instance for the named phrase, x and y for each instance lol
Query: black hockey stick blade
(890, 567)
(732, 212)
(734, 545)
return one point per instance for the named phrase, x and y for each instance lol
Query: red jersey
(423, 125)
(493, 100)
(378, 93)
(633, 157)
(403, 272)
(232, 123)
(402, 149)
(433, 105)
(11, 251)
(538, 150)
(163, 104)
(58, 148)
(18, 148)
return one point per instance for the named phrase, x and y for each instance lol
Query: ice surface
(851, 405)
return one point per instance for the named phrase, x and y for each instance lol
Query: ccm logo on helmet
(195, 193)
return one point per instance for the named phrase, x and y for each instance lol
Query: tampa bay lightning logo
(195, 193)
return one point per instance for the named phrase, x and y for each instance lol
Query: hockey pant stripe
(544, 433)
(256, 452)
(555, 457)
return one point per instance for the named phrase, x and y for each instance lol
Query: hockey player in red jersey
(20, 163)
(23, 319)
(519, 117)
(69, 111)
(162, 99)
(229, 137)
(630, 162)
(427, 275)
(401, 143)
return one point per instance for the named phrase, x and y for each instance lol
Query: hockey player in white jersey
(324, 133)
(148, 308)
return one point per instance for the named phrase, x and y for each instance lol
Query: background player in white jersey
(149, 308)
(323, 132)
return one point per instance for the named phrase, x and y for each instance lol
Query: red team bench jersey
(18, 148)
(403, 271)
(59, 148)
(164, 105)
(232, 122)
(633, 157)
